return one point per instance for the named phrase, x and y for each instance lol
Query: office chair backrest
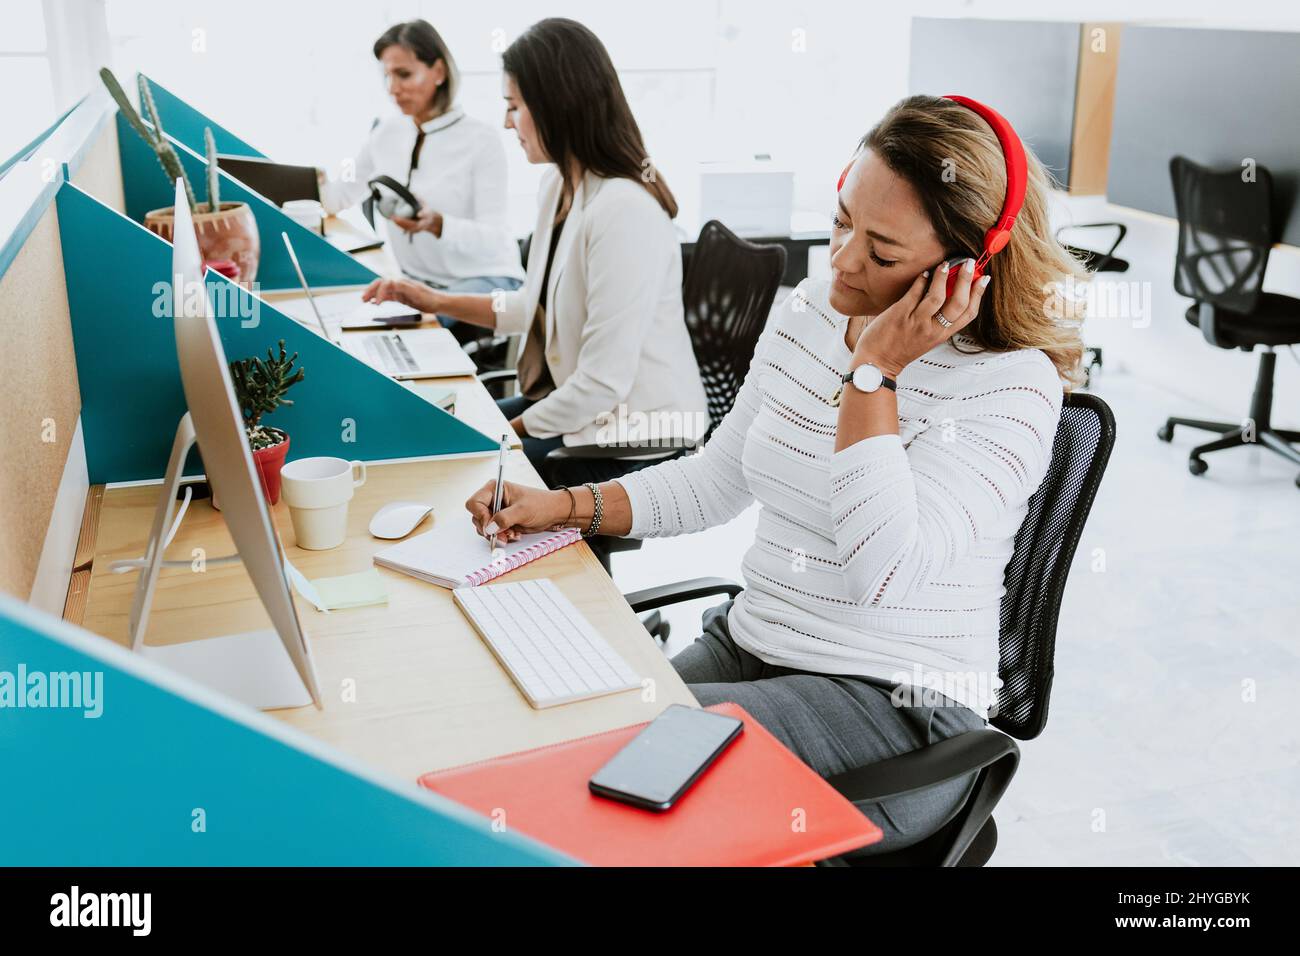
(1225, 231)
(727, 296)
(1035, 575)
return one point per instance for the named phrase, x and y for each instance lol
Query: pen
(496, 495)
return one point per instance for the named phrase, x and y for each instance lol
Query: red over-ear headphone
(1013, 152)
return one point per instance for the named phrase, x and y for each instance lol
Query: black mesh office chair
(727, 295)
(1225, 233)
(1035, 582)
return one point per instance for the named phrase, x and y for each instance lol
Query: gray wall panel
(1026, 70)
(1214, 96)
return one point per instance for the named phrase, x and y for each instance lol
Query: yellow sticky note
(352, 590)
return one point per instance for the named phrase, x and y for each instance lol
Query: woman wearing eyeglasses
(452, 163)
(893, 430)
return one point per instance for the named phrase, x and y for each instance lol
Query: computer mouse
(398, 519)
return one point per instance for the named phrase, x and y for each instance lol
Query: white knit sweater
(884, 559)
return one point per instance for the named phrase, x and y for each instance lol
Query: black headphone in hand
(392, 199)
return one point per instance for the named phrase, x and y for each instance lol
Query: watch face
(867, 378)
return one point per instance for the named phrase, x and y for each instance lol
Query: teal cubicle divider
(131, 397)
(145, 187)
(170, 774)
(30, 148)
(185, 124)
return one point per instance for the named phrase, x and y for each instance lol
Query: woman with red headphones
(894, 423)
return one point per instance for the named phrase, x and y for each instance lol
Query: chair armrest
(935, 764)
(1103, 259)
(486, 342)
(1121, 231)
(622, 449)
(992, 754)
(650, 598)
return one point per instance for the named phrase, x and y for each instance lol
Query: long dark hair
(427, 44)
(567, 79)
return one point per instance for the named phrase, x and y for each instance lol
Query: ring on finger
(938, 317)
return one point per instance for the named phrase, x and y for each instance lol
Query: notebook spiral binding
(520, 558)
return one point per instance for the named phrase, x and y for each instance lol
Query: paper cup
(305, 212)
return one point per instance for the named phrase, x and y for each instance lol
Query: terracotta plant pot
(268, 462)
(228, 233)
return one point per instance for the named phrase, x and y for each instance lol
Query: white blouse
(884, 559)
(462, 174)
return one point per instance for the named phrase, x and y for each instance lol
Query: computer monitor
(264, 668)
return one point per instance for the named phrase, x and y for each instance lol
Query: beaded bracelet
(597, 511)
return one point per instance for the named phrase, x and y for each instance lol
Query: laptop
(282, 183)
(335, 311)
(417, 353)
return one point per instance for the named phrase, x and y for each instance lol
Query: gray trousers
(833, 723)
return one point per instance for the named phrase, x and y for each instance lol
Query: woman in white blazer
(607, 357)
(452, 163)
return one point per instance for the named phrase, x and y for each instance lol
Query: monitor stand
(252, 667)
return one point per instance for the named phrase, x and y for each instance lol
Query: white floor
(1174, 737)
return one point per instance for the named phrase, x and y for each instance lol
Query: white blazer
(616, 340)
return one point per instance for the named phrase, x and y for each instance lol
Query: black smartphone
(661, 762)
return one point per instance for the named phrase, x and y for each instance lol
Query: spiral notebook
(455, 557)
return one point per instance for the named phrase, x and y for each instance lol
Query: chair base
(1256, 430)
(1279, 441)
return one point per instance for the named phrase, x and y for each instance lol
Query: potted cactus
(226, 231)
(260, 386)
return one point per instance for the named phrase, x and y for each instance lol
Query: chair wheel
(1165, 432)
(1196, 466)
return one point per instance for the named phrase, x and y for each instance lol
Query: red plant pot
(269, 461)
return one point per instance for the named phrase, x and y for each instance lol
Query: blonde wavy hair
(953, 160)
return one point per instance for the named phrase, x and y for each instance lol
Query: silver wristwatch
(867, 378)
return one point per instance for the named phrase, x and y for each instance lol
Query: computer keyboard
(544, 642)
(390, 353)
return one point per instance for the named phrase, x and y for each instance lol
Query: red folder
(758, 805)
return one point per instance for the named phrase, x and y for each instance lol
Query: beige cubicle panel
(38, 372)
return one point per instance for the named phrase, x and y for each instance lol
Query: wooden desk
(408, 687)
(474, 406)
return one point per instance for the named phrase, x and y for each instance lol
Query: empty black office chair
(1225, 233)
(1035, 581)
(727, 296)
(1094, 260)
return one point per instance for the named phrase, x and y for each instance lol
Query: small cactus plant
(214, 175)
(260, 386)
(156, 138)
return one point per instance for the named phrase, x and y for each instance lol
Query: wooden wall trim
(1094, 107)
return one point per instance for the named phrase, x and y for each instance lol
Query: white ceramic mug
(317, 491)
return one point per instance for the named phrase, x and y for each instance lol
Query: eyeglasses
(415, 78)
